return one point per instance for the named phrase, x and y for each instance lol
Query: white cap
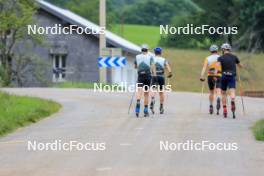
(144, 46)
(226, 46)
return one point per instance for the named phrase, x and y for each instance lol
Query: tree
(89, 9)
(247, 15)
(157, 12)
(15, 15)
(252, 26)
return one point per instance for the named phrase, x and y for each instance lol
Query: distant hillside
(120, 3)
(144, 12)
(138, 34)
(156, 12)
(187, 64)
(116, 3)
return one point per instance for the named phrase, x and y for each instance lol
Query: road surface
(132, 145)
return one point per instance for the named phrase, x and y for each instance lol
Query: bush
(258, 130)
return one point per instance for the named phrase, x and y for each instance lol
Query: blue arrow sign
(111, 62)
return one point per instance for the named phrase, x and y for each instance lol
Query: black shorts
(159, 81)
(144, 81)
(228, 82)
(214, 82)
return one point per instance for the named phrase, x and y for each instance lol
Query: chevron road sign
(111, 62)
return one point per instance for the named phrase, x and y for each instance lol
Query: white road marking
(12, 142)
(125, 144)
(139, 128)
(103, 169)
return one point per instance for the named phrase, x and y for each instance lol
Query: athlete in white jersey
(144, 65)
(159, 80)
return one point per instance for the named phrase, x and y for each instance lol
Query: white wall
(125, 74)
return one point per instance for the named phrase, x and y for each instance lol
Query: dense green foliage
(156, 12)
(116, 3)
(246, 15)
(148, 12)
(18, 111)
(90, 8)
(14, 16)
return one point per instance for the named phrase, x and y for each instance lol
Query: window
(59, 68)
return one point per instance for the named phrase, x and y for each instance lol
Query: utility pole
(102, 40)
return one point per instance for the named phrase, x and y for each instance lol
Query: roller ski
(211, 109)
(218, 106)
(152, 105)
(161, 109)
(146, 113)
(137, 110)
(225, 112)
(233, 109)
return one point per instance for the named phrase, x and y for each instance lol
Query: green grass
(187, 65)
(18, 111)
(82, 85)
(258, 130)
(139, 34)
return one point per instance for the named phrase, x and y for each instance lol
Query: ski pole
(202, 92)
(131, 101)
(168, 84)
(241, 93)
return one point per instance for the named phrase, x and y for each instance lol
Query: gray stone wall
(81, 52)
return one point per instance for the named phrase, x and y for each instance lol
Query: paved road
(132, 145)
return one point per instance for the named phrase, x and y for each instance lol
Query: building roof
(75, 19)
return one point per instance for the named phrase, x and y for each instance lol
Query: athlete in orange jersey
(213, 77)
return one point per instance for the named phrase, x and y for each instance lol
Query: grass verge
(258, 130)
(18, 111)
(82, 85)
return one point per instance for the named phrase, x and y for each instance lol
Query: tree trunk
(229, 39)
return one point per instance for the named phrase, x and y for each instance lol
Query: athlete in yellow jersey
(214, 77)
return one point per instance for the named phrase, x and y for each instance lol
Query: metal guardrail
(259, 94)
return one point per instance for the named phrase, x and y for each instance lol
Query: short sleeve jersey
(143, 63)
(228, 63)
(214, 69)
(160, 64)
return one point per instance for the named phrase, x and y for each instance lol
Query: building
(78, 54)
